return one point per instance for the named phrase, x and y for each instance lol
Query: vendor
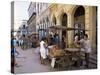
(64, 40)
(86, 48)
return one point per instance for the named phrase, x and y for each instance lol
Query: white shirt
(85, 45)
(15, 42)
(42, 45)
(43, 51)
(76, 39)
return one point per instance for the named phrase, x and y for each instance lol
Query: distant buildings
(32, 18)
(23, 29)
(38, 20)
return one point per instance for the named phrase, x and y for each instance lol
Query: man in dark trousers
(86, 48)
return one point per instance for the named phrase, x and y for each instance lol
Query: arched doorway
(64, 23)
(47, 20)
(79, 21)
(64, 31)
(54, 20)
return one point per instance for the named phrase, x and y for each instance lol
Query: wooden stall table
(56, 55)
(74, 54)
(72, 49)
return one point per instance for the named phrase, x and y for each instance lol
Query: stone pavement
(28, 61)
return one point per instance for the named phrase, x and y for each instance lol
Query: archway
(64, 32)
(79, 21)
(54, 20)
(47, 20)
(64, 23)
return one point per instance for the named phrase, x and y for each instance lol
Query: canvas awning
(34, 33)
(58, 27)
(76, 29)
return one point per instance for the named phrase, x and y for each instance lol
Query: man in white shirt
(86, 48)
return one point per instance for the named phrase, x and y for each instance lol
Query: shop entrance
(64, 23)
(64, 31)
(79, 21)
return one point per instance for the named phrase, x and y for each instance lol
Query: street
(29, 62)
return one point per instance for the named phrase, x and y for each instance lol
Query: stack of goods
(77, 45)
(56, 51)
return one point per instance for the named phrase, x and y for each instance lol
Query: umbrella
(34, 33)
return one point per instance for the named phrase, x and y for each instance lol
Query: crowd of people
(84, 44)
(45, 43)
(26, 42)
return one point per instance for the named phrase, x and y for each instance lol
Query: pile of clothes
(55, 51)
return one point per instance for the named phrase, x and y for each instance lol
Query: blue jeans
(13, 51)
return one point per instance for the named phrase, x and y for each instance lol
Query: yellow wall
(58, 10)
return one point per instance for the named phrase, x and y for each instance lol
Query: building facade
(73, 16)
(32, 18)
(23, 29)
(76, 16)
(42, 19)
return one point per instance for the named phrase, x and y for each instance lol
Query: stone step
(93, 62)
(93, 56)
(93, 66)
(93, 59)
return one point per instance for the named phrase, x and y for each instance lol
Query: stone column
(90, 24)
(94, 31)
(70, 33)
(58, 22)
(46, 25)
(88, 20)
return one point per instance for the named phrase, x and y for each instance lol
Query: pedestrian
(43, 50)
(13, 46)
(56, 39)
(86, 48)
(64, 40)
(13, 51)
(76, 39)
(51, 40)
(29, 42)
(24, 42)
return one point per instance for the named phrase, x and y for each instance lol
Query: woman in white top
(43, 50)
(76, 39)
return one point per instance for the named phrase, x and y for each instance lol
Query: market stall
(34, 39)
(67, 56)
(57, 29)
